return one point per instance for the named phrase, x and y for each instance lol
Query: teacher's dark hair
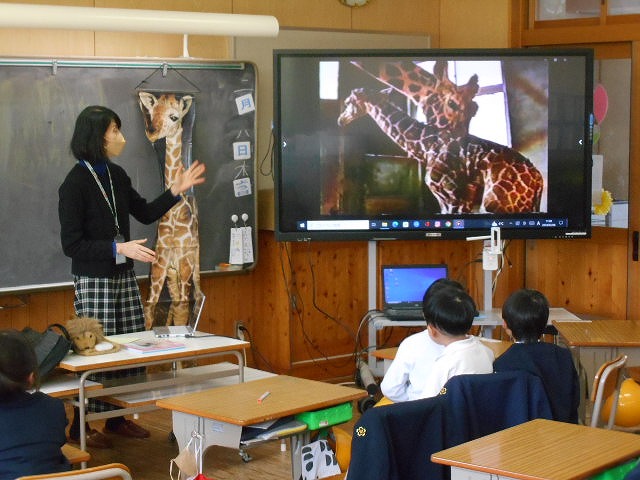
(87, 142)
(17, 362)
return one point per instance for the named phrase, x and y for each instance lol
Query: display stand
(490, 253)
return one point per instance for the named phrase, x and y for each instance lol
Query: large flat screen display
(433, 144)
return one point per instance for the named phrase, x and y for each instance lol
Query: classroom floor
(149, 458)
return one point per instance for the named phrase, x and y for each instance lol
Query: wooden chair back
(606, 383)
(110, 471)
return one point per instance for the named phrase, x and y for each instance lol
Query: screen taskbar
(429, 224)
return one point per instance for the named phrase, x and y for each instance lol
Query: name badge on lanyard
(120, 259)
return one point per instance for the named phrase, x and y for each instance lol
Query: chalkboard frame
(39, 101)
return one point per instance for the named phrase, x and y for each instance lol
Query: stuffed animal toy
(88, 337)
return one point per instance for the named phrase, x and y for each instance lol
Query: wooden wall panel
(406, 16)
(469, 23)
(583, 276)
(329, 284)
(125, 44)
(325, 15)
(47, 43)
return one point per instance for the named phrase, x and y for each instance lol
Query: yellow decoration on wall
(606, 201)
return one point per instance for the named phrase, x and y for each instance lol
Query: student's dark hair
(17, 362)
(450, 310)
(441, 283)
(87, 142)
(526, 313)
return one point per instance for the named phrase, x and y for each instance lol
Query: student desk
(195, 348)
(594, 342)
(63, 385)
(487, 320)
(220, 413)
(388, 354)
(541, 450)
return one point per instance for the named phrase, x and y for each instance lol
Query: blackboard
(39, 102)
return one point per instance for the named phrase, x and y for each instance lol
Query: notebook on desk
(403, 287)
(183, 330)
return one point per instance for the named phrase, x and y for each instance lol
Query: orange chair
(607, 384)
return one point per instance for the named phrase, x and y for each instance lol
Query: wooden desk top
(600, 333)
(193, 346)
(544, 449)
(238, 404)
(498, 347)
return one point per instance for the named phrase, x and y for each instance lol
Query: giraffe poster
(42, 100)
(169, 119)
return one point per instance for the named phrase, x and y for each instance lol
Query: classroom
(303, 305)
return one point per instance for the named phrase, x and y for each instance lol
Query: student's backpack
(50, 346)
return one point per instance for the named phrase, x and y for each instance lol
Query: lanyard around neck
(113, 208)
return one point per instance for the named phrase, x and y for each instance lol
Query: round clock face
(354, 3)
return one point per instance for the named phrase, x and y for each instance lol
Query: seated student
(525, 314)
(426, 360)
(32, 424)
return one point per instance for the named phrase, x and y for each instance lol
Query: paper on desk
(122, 339)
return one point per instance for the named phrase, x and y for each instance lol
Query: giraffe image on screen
(465, 173)
(175, 271)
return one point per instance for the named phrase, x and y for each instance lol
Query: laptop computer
(183, 330)
(403, 288)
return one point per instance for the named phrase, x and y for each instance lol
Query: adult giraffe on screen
(465, 173)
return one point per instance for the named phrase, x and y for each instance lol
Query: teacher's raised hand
(185, 179)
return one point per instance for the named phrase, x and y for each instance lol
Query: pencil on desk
(263, 396)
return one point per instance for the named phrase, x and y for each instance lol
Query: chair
(74, 455)
(342, 446)
(110, 471)
(386, 438)
(607, 382)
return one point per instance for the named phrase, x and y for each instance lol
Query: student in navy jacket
(525, 315)
(32, 424)
(95, 202)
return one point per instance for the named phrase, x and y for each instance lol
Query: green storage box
(327, 416)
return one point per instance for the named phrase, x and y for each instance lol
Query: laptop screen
(404, 285)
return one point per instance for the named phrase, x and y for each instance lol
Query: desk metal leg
(82, 411)
(298, 441)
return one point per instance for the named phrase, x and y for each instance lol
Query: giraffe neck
(173, 157)
(413, 137)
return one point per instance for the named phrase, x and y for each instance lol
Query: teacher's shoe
(95, 439)
(127, 429)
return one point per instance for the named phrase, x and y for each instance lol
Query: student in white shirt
(426, 360)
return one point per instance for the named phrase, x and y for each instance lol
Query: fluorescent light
(21, 15)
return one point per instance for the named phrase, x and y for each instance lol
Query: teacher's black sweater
(87, 226)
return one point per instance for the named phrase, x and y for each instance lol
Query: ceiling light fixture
(21, 15)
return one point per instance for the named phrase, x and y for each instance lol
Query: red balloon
(600, 103)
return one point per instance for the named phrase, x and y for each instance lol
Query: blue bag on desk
(50, 346)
